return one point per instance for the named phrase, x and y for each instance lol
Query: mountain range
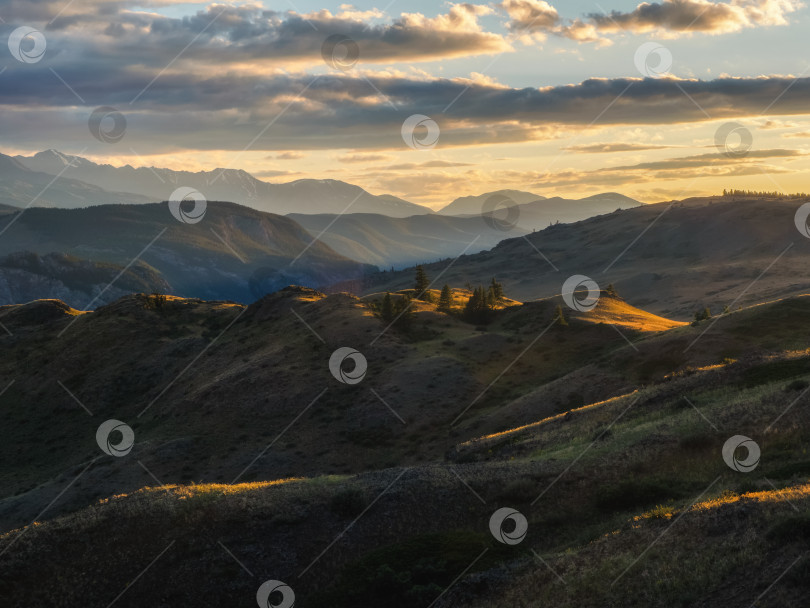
(233, 185)
(24, 174)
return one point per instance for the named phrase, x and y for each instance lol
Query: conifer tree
(496, 289)
(422, 284)
(387, 310)
(445, 300)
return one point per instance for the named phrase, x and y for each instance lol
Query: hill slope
(599, 485)
(672, 259)
(233, 253)
(386, 241)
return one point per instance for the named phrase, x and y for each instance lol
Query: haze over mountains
(306, 196)
(352, 230)
(233, 185)
(236, 253)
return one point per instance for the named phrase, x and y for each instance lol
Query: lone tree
(445, 300)
(496, 290)
(422, 284)
(702, 315)
(403, 313)
(611, 291)
(387, 309)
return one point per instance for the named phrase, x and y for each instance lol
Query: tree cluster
(483, 302)
(763, 194)
(398, 311)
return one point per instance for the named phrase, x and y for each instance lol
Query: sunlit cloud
(668, 18)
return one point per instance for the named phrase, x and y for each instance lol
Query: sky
(423, 100)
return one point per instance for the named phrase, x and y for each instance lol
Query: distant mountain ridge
(533, 212)
(21, 186)
(398, 242)
(29, 180)
(473, 205)
(234, 185)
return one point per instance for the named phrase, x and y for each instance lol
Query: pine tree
(387, 310)
(611, 291)
(445, 300)
(472, 307)
(480, 306)
(496, 289)
(422, 284)
(403, 313)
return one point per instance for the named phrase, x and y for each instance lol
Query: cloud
(349, 111)
(531, 16)
(248, 37)
(363, 158)
(678, 168)
(613, 147)
(777, 124)
(798, 134)
(668, 18)
(269, 174)
(287, 156)
(432, 164)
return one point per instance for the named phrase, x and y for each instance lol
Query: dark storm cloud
(227, 111)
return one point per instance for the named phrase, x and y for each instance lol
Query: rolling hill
(347, 492)
(671, 258)
(235, 253)
(26, 276)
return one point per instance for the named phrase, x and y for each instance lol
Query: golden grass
(538, 423)
(187, 491)
(615, 311)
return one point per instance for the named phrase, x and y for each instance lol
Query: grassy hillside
(601, 431)
(672, 259)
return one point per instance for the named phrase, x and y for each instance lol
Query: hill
(398, 242)
(234, 253)
(367, 496)
(26, 276)
(672, 259)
